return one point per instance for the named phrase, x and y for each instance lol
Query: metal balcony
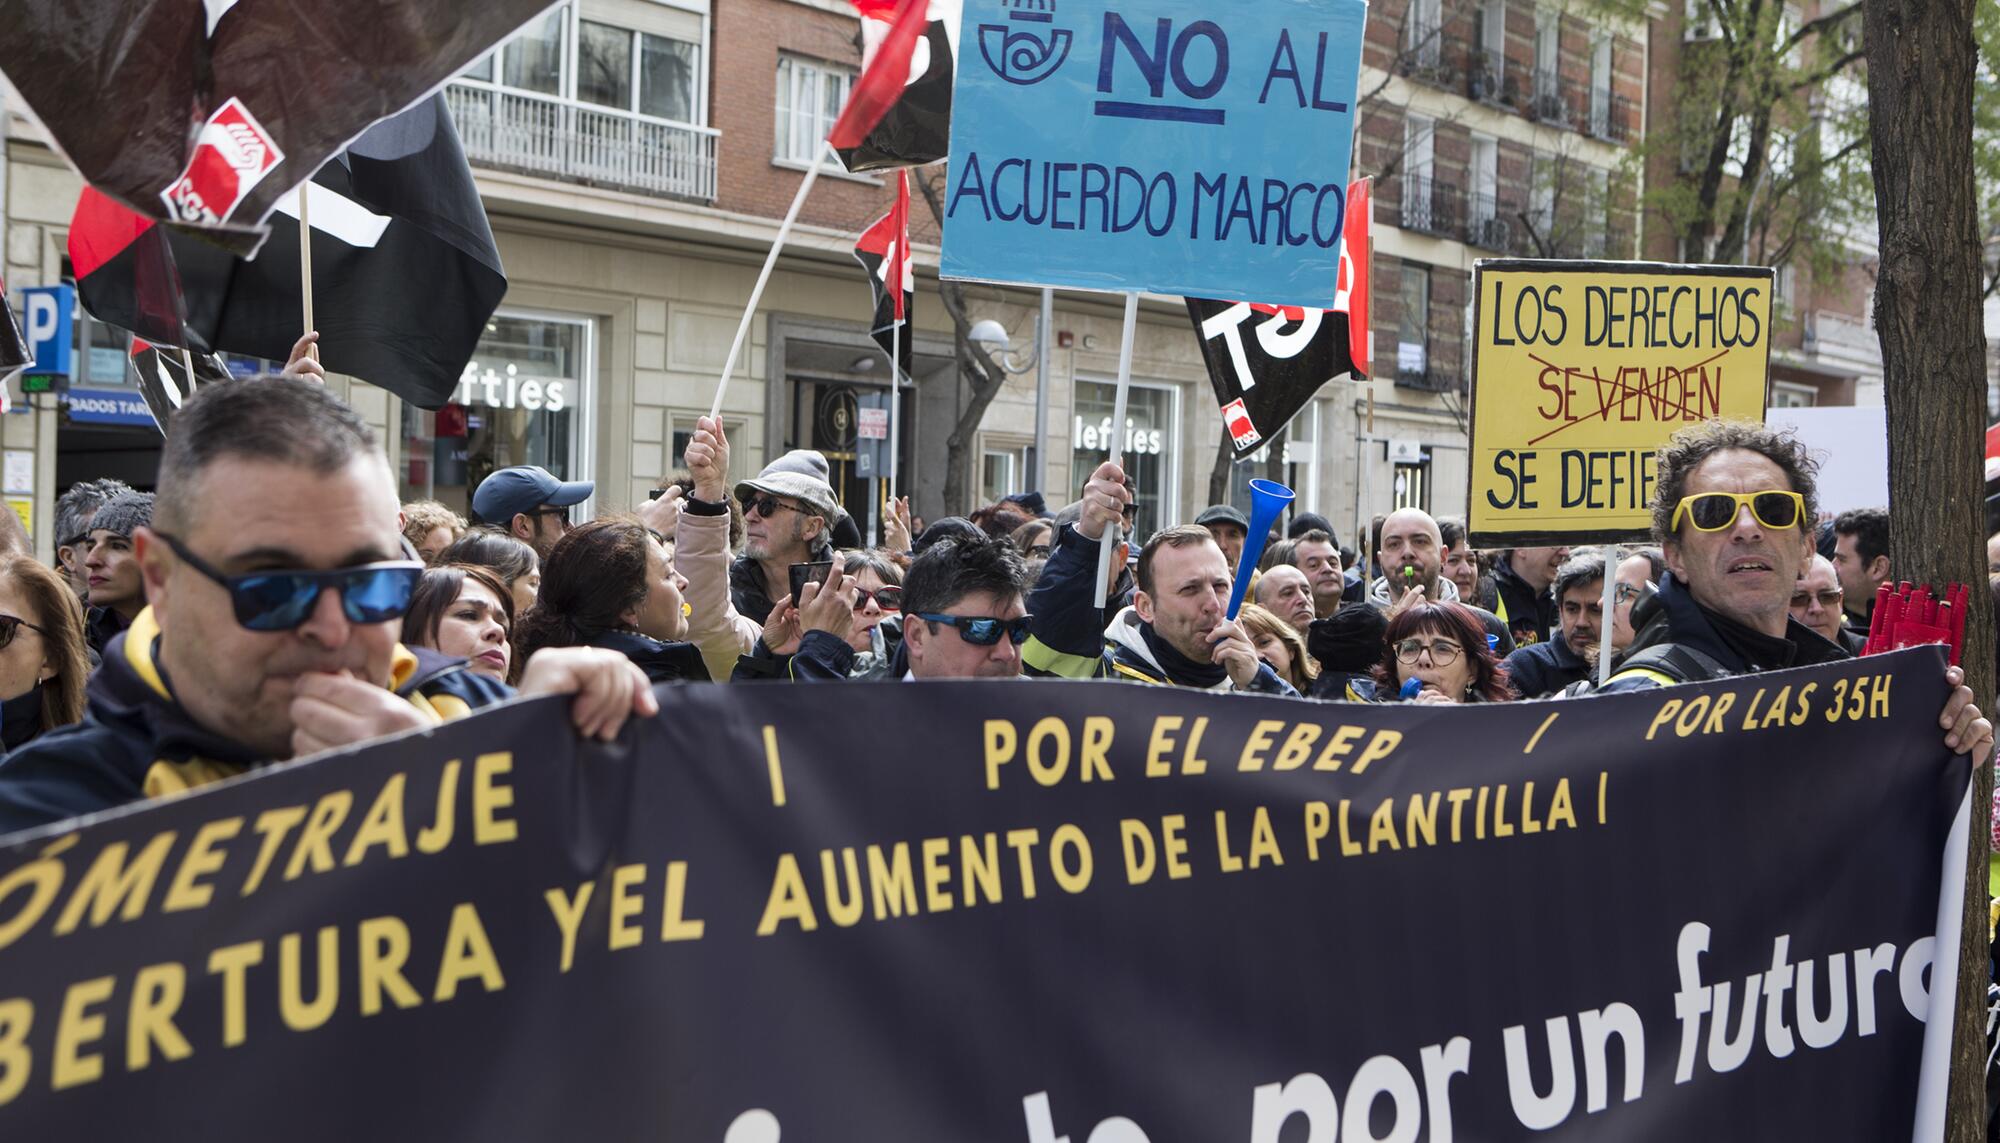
(576, 142)
(1487, 226)
(1431, 206)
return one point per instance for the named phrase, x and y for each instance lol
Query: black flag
(917, 128)
(884, 251)
(161, 372)
(405, 272)
(206, 113)
(1266, 362)
(14, 353)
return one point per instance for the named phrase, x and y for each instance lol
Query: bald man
(1285, 591)
(1818, 602)
(1412, 556)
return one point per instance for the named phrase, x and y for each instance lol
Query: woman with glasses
(1437, 653)
(611, 583)
(1034, 540)
(467, 613)
(878, 612)
(513, 561)
(43, 663)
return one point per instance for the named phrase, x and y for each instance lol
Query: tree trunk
(1927, 313)
(977, 369)
(1218, 477)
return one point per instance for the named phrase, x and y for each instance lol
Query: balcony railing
(1487, 225)
(1486, 76)
(541, 135)
(1549, 100)
(1429, 56)
(1433, 377)
(1430, 205)
(1612, 117)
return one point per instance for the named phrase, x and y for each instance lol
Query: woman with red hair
(1442, 648)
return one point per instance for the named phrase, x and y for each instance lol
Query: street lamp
(993, 336)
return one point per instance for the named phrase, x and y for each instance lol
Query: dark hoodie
(1672, 617)
(662, 662)
(1530, 615)
(137, 742)
(1347, 644)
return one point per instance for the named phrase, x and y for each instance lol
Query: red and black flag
(405, 271)
(884, 251)
(916, 129)
(885, 72)
(1266, 362)
(14, 353)
(206, 113)
(167, 376)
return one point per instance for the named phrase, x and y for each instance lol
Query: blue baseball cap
(523, 489)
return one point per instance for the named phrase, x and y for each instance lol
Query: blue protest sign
(48, 328)
(1180, 146)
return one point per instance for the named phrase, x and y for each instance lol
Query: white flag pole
(764, 276)
(895, 399)
(305, 267)
(1111, 532)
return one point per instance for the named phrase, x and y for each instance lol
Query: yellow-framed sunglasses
(1715, 511)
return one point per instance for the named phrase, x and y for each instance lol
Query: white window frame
(790, 63)
(1493, 35)
(585, 444)
(1600, 82)
(1483, 163)
(566, 82)
(1800, 396)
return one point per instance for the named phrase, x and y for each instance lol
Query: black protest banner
(1266, 362)
(167, 377)
(1029, 911)
(189, 111)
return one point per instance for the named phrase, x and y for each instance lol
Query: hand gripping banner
(1081, 910)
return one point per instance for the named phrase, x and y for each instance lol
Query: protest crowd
(272, 599)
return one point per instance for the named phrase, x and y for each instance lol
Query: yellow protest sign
(1582, 370)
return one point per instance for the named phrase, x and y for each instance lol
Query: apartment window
(810, 96)
(1786, 289)
(1152, 423)
(1412, 357)
(996, 476)
(1419, 141)
(1424, 34)
(1542, 200)
(1600, 85)
(1594, 212)
(1483, 209)
(635, 71)
(1413, 486)
(1785, 395)
(532, 60)
(1493, 43)
(1548, 46)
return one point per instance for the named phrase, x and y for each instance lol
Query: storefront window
(1152, 426)
(524, 399)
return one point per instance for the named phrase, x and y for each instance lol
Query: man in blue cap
(529, 504)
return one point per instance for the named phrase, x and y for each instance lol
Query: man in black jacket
(274, 571)
(1733, 509)
(1523, 579)
(1542, 669)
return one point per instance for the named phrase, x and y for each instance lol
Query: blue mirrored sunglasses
(282, 600)
(981, 631)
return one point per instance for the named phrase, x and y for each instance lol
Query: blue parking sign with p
(47, 325)
(1179, 146)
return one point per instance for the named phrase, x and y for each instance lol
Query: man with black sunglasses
(1733, 509)
(276, 582)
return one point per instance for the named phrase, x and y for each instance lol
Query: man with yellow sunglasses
(1733, 509)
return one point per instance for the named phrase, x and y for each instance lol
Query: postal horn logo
(1028, 48)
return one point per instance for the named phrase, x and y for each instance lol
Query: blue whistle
(1411, 687)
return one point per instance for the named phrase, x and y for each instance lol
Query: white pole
(764, 276)
(895, 401)
(1044, 333)
(1610, 615)
(1110, 542)
(305, 266)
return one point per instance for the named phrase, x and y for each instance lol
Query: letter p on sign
(48, 327)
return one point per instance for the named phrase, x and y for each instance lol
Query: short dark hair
(1870, 529)
(858, 560)
(489, 547)
(954, 568)
(1685, 451)
(81, 502)
(1582, 568)
(1451, 530)
(1178, 536)
(1305, 522)
(280, 419)
(1278, 553)
(1315, 537)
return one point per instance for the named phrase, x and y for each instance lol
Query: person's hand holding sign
(1104, 501)
(707, 461)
